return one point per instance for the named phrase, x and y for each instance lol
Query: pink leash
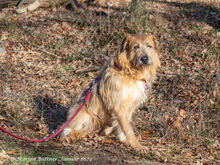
(86, 98)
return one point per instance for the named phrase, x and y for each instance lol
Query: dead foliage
(53, 53)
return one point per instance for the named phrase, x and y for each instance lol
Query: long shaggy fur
(125, 84)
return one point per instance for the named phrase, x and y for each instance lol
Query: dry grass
(46, 47)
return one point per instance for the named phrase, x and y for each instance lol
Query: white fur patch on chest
(139, 89)
(135, 90)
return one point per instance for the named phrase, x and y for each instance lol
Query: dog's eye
(149, 46)
(136, 46)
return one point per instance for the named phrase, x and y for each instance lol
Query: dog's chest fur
(137, 92)
(120, 92)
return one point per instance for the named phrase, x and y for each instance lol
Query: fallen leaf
(166, 116)
(211, 102)
(91, 74)
(180, 52)
(12, 152)
(178, 122)
(108, 141)
(182, 113)
(162, 141)
(146, 134)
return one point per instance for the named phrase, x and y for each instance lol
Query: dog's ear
(124, 45)
(154, 41)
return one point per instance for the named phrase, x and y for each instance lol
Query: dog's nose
(144, 59)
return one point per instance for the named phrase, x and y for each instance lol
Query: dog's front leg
(125, 131)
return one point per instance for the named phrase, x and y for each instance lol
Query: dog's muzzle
(145, 60)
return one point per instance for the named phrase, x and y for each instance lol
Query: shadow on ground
(54, 114)
(199, 12)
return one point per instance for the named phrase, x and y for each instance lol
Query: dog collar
(118, 67)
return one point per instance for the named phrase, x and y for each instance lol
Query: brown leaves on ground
(48, 56)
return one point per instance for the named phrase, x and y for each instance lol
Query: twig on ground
(79, 22)
(52, 54)
(88, 69)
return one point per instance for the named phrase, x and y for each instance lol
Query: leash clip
(90, 88)
(92, 85)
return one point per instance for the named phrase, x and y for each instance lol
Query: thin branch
(45, 51)
(88, 69)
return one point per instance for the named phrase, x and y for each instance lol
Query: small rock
(178, 101)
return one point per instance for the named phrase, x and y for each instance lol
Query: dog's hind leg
(79, 127)
(107, 130)
(109, 125)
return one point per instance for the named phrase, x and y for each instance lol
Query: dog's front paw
(136, 145)
(140, 147)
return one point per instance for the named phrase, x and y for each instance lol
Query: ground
(48, 56)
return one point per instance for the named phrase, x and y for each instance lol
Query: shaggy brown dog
(124, 86)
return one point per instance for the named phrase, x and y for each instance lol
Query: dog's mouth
(144, 60)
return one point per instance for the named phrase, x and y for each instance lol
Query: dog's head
(138, 54)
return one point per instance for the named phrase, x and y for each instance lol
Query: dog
(123, 86)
